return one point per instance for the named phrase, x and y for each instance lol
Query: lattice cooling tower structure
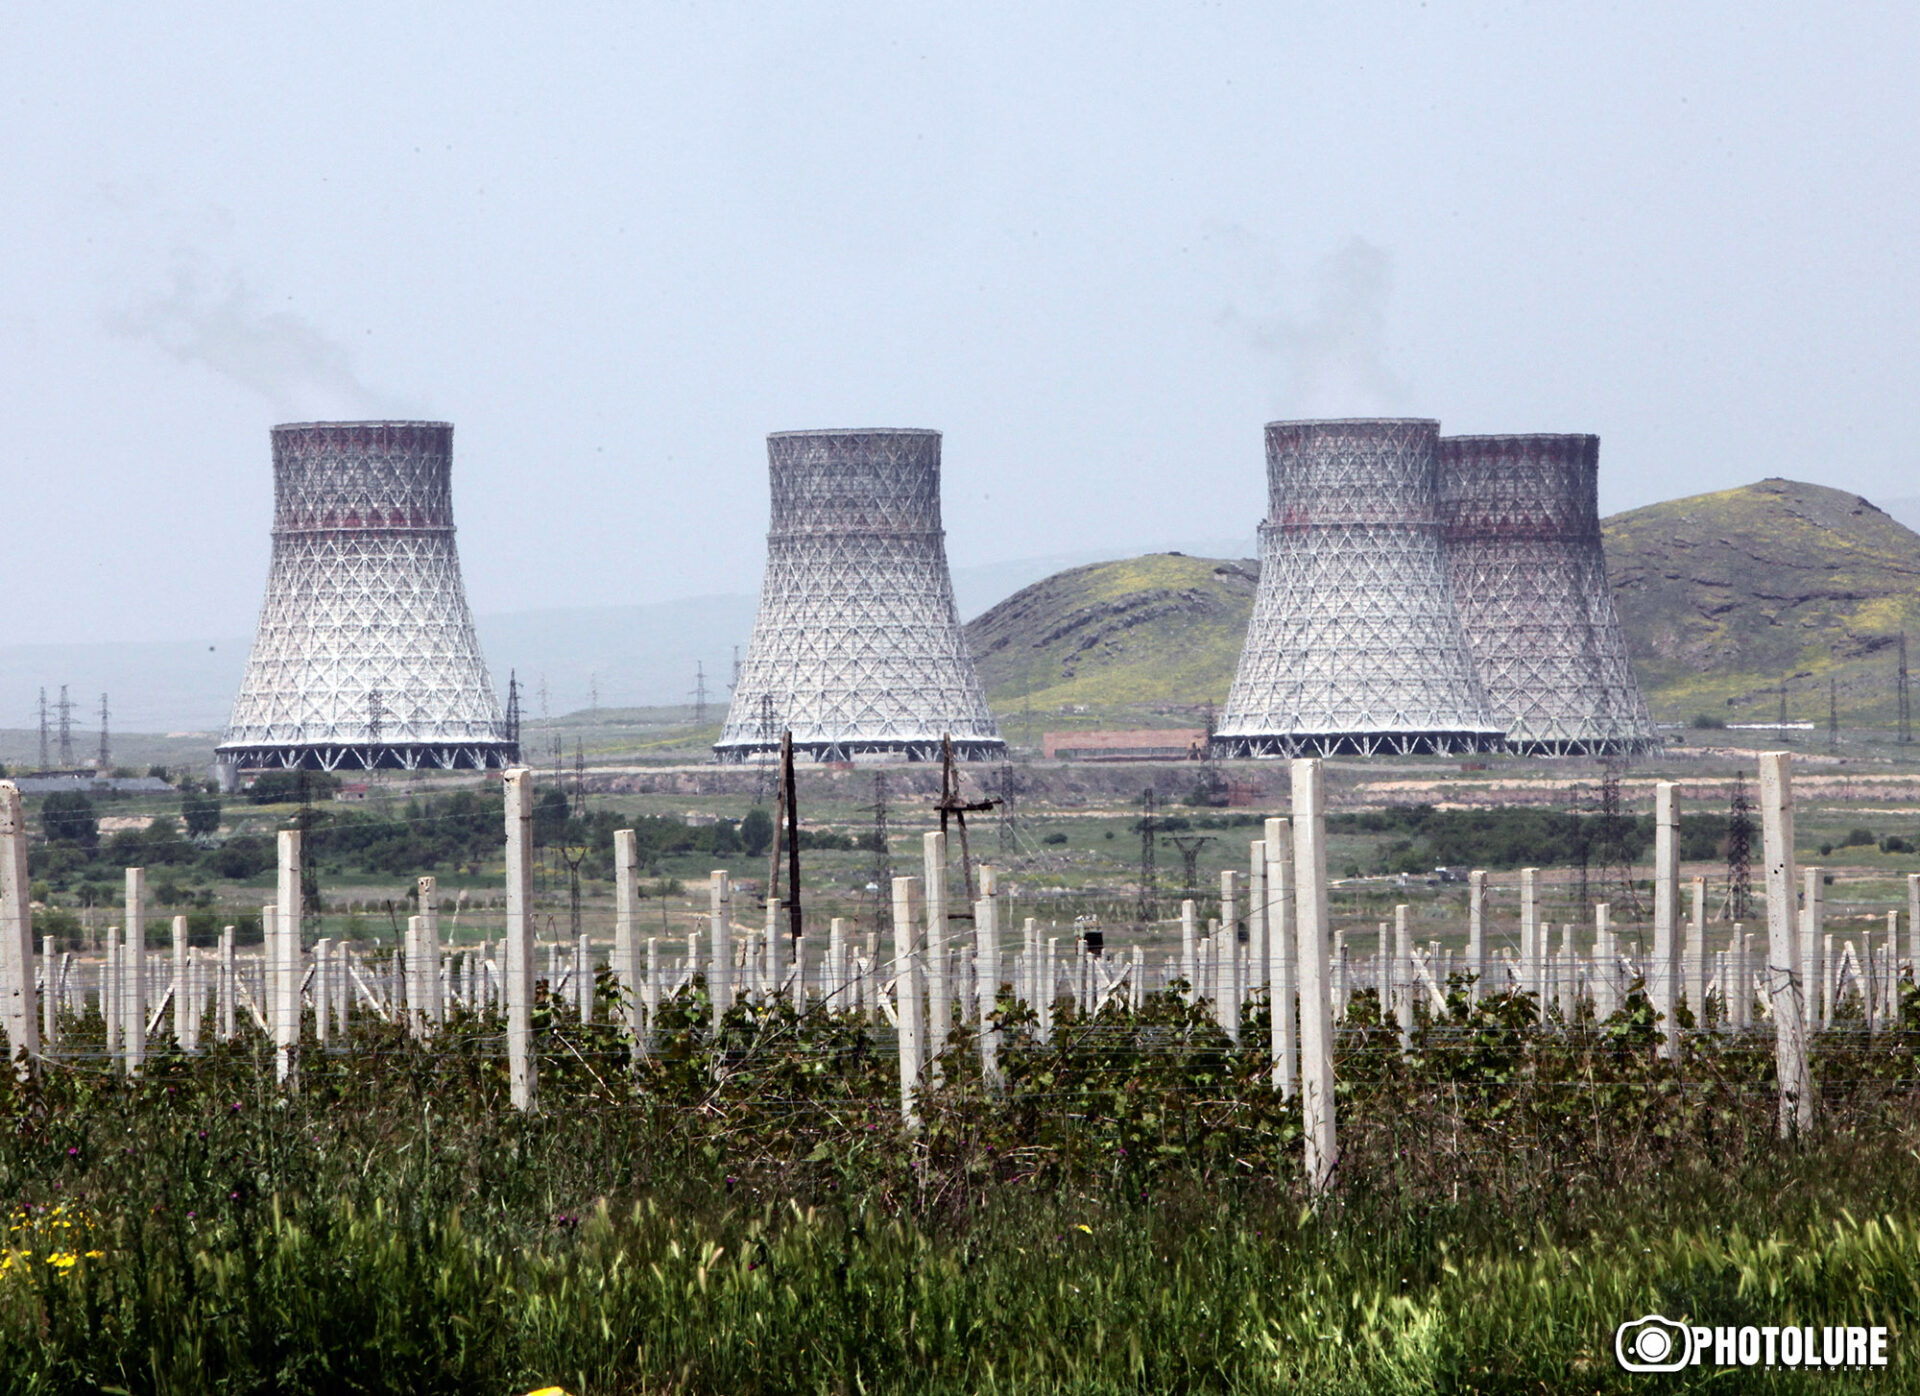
(1529, 575)
(1354, 647)
(365, 657)
(857, 648)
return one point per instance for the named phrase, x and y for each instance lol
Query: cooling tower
(857, 648)
(1522, 521)
(365, 657)
(1354, 647)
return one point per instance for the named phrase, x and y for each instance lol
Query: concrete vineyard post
(1312, 919)
(286, 980)
(1533, 938)
(1663, 971)
(1784, 990)
(583, 979)
(49, 999)
(1189, 937)
(906, 997)
(1226, 946)
(1696, 957)
(522, 1071)
(223, 1021)
(1606, 966)
(132, 975)
(428, 976)
(933, 849)
(182, 992)
(1259, 959)
(1476, 933)
(720, 951)
(1284, 983)
(1814, 980)
(632, 979)
(1401, 976)
(16, 934)
(986, 953)
(1913, 926)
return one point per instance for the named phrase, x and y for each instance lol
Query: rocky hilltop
(1726, 596)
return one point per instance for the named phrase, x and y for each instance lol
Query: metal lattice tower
(858, 640)
(365, 656)
(1355, 647)
(1529, 575)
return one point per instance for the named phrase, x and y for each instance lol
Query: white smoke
(285, 359)
(1333, 362)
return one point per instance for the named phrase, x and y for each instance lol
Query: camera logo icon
(1653, 1344)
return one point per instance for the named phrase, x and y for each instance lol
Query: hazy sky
(1097, 246)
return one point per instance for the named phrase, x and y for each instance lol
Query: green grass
(749, 1215)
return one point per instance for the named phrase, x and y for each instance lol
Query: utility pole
(953, 806)
(794, 927)
(699, 694)
(106, 750)
(66, 730)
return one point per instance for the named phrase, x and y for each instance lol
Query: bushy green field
(749, 1215)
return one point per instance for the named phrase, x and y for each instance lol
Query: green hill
(1723, 596)
(1148, 641)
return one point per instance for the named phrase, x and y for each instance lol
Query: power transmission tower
(1739, 903)
(1190, 856)
(1833, 713)
(513, 709)
(43, 729)
(699, 694)
(1904, 694)
(66, 730)
(763, 782)
(1616, 868)
(1212, 785)
(1146, 912)
(580, 777)
(593, 694)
